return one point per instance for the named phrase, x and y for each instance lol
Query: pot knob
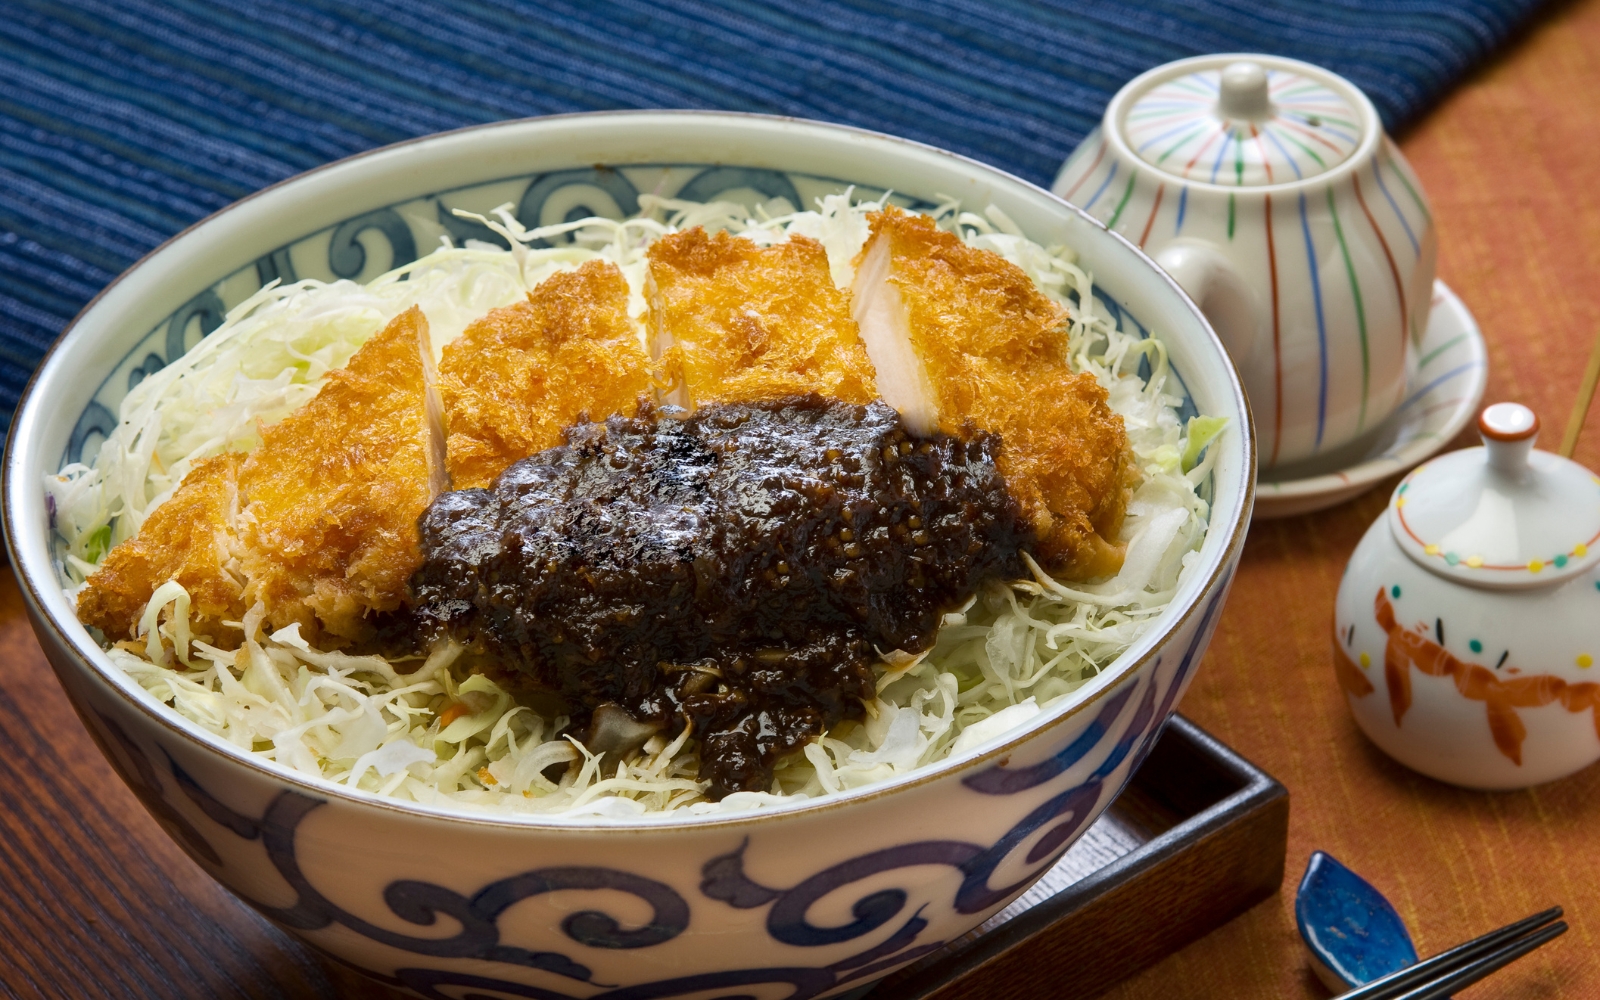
(1244, 94)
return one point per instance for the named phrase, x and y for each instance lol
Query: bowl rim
(83, 647)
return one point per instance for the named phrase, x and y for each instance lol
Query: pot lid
(1503, 515)
(1244, 125)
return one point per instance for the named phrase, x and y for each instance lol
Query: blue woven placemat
(122, 121)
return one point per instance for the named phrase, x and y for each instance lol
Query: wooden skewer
(1580, 406)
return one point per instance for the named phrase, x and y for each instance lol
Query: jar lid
(1503, 515)
(1244, 125)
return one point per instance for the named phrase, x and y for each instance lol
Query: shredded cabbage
(418, 730)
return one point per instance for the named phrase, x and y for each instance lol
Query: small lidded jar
(1468, 622)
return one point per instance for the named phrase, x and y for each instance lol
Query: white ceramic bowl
(796, 902)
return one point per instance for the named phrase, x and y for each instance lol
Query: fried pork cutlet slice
(735, 322)
(184, 539)
(519, 375)
(959, 334)
(333, 493)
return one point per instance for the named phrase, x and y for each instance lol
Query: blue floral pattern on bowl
(1112, 743)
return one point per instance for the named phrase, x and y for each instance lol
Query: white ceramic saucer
(1440, 399)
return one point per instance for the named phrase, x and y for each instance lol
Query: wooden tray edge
(1209, 868)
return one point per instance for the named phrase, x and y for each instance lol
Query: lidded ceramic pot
(1468, 622)
(1267, 188)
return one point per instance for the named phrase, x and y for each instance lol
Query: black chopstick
(1470, 955)
(1470, 974)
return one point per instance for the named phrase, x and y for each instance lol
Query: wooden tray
(1197, 837)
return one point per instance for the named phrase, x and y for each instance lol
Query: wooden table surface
(95, 901)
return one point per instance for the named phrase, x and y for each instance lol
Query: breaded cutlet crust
(733, 322)
(184, 539)
(520, 375)
(995, 351)
(333, 493)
